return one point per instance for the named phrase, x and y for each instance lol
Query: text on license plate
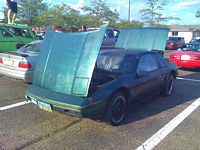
(44, 106)
(8, 62)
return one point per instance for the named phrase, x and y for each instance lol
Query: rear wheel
(169, 87)
(116, 109)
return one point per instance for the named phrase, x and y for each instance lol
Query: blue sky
(184, 9)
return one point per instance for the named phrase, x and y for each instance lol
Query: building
(187, 31)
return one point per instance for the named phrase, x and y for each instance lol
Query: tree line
(39, 13)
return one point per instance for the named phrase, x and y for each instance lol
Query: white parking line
(14, 105)
(163, 132)
(180, 78)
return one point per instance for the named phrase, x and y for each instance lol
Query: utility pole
(129, 11)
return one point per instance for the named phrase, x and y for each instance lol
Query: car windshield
(171, 38)
(195, 40)
(30, 48)
(193, 47)
(115, 63)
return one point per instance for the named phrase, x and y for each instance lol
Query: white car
(20, 64)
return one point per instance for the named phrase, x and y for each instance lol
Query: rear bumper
(186, 63)
(26, 76)
(78, 106)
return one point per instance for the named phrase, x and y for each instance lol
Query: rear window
(30, 48)
(115, 63)
(172, 38)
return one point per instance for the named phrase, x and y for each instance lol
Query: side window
(25, 33)
(19, 32)
(5, 33)
(161, 60)
(147, 63)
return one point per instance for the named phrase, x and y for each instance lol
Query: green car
(13, 37)
(74, 75)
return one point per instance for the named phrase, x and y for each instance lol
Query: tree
(103, 12)
(152, 13)
(198, 13)
(30, 9)
(62, 15)
(127, 24)
(4, 11)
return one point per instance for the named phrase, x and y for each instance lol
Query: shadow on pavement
(193, 73)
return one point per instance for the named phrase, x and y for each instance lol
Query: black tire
(169, 87)
(116, 109)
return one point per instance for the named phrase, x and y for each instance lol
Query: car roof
(118, 51)
(36, 41)
(14, 25)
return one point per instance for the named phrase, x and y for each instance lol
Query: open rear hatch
(143, 38)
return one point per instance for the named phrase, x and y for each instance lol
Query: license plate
(44, 106)
(8, 62)
(185, 57)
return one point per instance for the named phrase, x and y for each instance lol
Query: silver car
(20, 64)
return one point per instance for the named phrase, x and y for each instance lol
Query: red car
(175, 43)
(189, 58)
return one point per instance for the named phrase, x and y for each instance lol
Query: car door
(7, 40)
(148, 79)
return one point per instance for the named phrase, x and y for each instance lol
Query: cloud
(122, 8)
(78, 5)
(184, 4)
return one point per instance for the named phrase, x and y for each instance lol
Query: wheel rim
(170, 86)
(119, 106)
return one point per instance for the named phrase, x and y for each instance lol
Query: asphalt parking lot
(28, 127)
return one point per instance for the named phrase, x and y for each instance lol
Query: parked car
(21, 63)
(79, 79)
(110, 37)
(188, 57)
(194, 41)
(174, 43)
(13, 37)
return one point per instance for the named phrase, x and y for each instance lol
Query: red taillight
(172, 56)
(196, 57)
(1, 61)
(25, 65)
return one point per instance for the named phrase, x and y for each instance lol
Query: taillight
(172, 56)
(25, 65)
(196, 57)
(1, 61)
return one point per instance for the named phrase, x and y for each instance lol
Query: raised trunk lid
(143, 38)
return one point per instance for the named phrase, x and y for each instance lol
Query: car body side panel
(66, 61)
(147, 85)
(143, 38)
(7, 43)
